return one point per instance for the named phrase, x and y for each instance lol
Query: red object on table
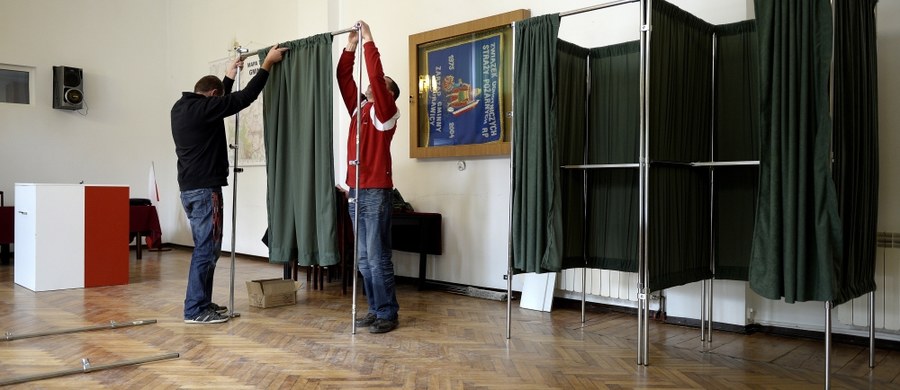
(144, 221)
(7, 223)
(7, 232)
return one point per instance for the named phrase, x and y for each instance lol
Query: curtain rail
(249, 53)
(596, 7)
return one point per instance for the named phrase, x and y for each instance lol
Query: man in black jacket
(199, 133)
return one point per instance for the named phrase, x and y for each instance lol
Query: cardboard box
(265, 293)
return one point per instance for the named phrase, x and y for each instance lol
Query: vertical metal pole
(512, 192)
(709, 315)
(643, 268)
(584, 191)
(827, 345)
(703, 286)
(712, 186)
(872, 294)
(872, 329)
(355, 191)
(234, 189)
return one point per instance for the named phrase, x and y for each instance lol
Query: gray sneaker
(368, 320)
(208, 316)
(217, 308)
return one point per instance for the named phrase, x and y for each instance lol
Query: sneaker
(208, 316)
(216, 308)
(366, 321)
(382, 325)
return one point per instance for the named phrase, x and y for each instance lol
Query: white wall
(119, 46)
(139, 55)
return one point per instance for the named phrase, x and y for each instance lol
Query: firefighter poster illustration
(463, 98)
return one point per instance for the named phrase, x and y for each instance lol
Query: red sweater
(379, 121)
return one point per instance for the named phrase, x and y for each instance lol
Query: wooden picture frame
(452, 115)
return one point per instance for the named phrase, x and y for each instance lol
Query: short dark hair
(209, 83)
(394, 88)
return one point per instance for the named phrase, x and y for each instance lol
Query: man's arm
(385, 105)
(232, 103)
(346, 84)
(231, 73)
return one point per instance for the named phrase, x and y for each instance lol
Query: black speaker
(68, 88)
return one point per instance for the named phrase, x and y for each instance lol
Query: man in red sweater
(378, 122)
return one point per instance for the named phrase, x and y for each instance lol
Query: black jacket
(199, 132)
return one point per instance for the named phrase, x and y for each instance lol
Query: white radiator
(623, 285)
(887, 291)
(603, 283)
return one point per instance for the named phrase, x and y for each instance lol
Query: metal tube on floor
(112, 325)
(86, 367)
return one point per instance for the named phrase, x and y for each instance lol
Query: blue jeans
(374, 240)
(203, 207)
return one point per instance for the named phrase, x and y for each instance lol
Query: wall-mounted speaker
(68, 88)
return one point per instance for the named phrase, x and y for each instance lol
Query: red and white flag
(152, 188)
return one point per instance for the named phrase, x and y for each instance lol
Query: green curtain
(297, 119)
(856, 144)
(680, 128)
(536, 231)
(736, 138)
(571, 76)
(614, 138)
(797, 237)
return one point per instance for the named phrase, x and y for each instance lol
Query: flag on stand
(153, 241)
(152, 188)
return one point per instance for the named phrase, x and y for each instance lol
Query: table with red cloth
(144, 221)
(7, 232)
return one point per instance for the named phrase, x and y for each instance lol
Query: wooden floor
(444, 341)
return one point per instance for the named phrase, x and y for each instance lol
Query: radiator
(623, 285)
(887, 291)
(603, 283)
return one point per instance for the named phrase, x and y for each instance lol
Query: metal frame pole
(86, 367)
(240, 51)
(512, 172)
(708, 297)
(112, 325)
(354, 199)
(872, 329)
(643, 268)
(827, 345)
(584, 190)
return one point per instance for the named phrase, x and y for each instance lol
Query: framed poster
(463, 98)
(250, 143)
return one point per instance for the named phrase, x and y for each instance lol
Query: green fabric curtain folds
(680, 127)
(614, 138)
(736, 138)
(536, 230)
(297, 119)
(572, 119)
(797, 236)
(856, 144)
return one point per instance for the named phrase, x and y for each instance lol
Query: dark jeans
(203, 207)
(374, 240)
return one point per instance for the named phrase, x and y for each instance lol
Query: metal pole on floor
(112, 325)
(86, 367)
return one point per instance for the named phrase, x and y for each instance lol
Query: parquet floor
(445, 341)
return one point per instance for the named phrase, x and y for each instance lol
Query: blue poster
(463, 95)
